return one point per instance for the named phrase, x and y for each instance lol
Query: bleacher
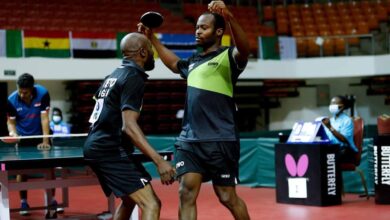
(85, 15)
(340, 24)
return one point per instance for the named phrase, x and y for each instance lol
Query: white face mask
(57, 118)
(334, 109)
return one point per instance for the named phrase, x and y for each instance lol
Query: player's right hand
(326, 122)
(167, 172)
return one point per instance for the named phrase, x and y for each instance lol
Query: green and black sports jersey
(210, 108)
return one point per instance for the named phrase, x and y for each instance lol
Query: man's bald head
(133, 42)
(138, 48)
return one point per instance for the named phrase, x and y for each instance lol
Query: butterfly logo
(296, 169)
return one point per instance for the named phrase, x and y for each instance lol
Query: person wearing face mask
(57, 125)
(339, 128)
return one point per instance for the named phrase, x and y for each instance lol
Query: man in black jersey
(114, 133)
(208, 145)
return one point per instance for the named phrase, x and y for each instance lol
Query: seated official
(57, 125)
(339, 128)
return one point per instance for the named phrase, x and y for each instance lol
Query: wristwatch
(331, 129)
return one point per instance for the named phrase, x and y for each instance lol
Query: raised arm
(167, 56)
(242, 49)
(131, 128)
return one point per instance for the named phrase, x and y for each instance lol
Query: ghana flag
(46, 44)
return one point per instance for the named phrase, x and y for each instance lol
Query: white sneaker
(24, 206)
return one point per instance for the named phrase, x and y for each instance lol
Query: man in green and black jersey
(208, 145)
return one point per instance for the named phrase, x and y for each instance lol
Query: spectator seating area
(247, 16)
(307, 21)
(332, 21)
(84, 15)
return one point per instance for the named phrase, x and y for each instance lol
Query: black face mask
(149, 64)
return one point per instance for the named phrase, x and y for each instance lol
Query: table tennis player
(114, 133)
(208, 147)
(27, 115)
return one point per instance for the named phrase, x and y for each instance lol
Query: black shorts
(216, 161)
(121, 176)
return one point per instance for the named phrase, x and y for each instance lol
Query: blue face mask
(334, 109)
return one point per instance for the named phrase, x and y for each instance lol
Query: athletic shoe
(60, 210)
(52, 210)
(24, 206)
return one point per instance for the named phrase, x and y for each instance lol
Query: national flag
(276, 48)
(46, 44)
(93, 45)
(269, 48)
(119, 37)
(226, 40)
(183, 45)
(11, 43)
(287, 48)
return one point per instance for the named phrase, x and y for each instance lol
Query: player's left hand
(219, 7)
(43, 146)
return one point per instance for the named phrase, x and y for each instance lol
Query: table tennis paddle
(10, 140)
(152, 19)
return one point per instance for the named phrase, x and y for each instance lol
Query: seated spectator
(57, 125)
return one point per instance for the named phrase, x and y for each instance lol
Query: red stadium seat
(268, 13)
(313, 49)
(282, 27)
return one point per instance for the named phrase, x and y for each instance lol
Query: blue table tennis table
(30, 160)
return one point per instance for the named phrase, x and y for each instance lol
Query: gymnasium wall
(303, 68)
(338, 73)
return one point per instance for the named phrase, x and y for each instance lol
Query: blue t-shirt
(344, 125)
(28, 116)
(61, 128)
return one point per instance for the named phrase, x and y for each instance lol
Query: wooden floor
(260, 201)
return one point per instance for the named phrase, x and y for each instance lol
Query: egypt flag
(46, 44)
(93, 45)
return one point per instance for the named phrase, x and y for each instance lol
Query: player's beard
(149, 64)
